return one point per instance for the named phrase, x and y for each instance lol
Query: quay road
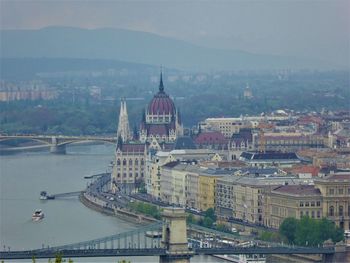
(149, 199)
(98, 189)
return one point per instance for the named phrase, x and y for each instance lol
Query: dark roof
(157, 129)
(184, 142)
(171, 164)
(298, 190)
(244, 134)
(335, 177)
(254, 170)
(269, 156)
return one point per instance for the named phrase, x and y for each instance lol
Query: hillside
(138, 47)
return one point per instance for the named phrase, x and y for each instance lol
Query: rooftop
(305, 190)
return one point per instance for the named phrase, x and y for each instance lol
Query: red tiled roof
(133, 147)
(211, 138)
(313, 170)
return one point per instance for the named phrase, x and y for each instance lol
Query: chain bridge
(57, 143)
(172, 240)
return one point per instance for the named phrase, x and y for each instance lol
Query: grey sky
(318, 29)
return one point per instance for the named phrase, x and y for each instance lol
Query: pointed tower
(123, 125)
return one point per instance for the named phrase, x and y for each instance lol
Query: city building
(128, 170)
(243, 196)
(335, 191)
(292, 201)
(267, 159)
(211, 140)
(156, 161)
(230, 126)
(290, 142)
(240, 142)
(161, 120)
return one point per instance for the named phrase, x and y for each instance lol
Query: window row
(130, 175)
(312, 203)
(331, 211)
(312, 214)
(340, 191)
(130, 162)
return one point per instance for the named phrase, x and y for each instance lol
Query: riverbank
(97, 202)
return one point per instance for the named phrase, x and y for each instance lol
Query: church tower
(123, 124)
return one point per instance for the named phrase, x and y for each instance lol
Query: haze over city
(175, 131)
(305, 29)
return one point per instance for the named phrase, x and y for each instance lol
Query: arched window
(341, 210)
(137, 162)
(142, 162)
(130, 162)
(331, 210)
(118, 162)
(124, 162)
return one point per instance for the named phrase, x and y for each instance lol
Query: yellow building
(329, 197)
(244, 197)
(206, 190)
(335, 190)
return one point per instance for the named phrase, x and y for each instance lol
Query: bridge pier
(58, 149)
(174, 237)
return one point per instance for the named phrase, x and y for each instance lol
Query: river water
(24, 175)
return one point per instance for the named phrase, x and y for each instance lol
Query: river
(24, 175)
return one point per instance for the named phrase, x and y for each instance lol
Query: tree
(208, 222)
(191, 219)
(310, 232)
(288, 229)
(210, 212)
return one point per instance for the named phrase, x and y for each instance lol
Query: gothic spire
(123, 125)
(161, 86)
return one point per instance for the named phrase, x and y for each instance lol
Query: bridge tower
(174, 237)
(55, 148)
(123, 124)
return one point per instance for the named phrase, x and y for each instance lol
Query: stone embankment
(94, 199)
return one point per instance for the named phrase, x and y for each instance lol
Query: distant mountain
(28, 68)
(138, 47)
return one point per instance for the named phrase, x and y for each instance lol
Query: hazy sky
(309, 28)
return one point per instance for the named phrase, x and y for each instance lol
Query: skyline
(291, 28)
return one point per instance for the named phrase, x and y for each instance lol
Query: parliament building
(160, 127)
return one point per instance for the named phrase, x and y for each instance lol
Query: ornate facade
(123, 124)
(160, 127)
(161, 120)
(129, 167)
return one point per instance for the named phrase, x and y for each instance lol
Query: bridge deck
(50, 253)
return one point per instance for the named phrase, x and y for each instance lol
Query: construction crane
(262, 141)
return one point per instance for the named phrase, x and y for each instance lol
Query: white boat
(255, 258)
(242, 258)
(37, 215)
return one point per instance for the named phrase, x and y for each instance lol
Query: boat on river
(37, 215)
(45, 196)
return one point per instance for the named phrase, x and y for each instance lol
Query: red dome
(161, 104)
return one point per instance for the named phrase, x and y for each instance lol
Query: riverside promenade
(96, 197)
